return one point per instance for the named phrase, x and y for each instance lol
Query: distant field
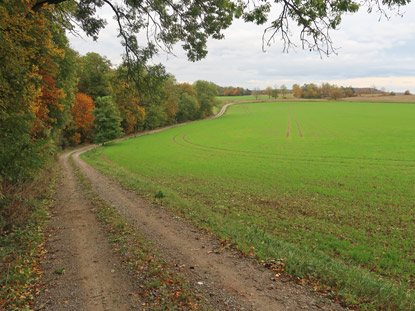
(245, 97)
(362, 98)
(385, 99)
(333, 181)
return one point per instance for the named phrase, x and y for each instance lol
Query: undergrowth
(24, 211)
(161, 288)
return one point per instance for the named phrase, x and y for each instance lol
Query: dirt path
(85, 275)
(225, 278)
(81, 271)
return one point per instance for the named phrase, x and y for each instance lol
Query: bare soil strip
(81, 271)
(225, 278)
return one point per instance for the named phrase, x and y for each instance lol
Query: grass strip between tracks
(160, 287)
(352, 285)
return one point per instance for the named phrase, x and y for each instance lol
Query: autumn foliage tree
(28, 92)
(171, 105)
(35, 84)
(336, 93)
(82, 119)
(47, 105)
(297, 92)
(127, 100)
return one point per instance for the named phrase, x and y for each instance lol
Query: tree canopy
(107, 120)
(192, 22)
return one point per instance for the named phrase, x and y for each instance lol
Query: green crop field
(327, 190)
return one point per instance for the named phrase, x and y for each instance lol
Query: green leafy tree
(107, 120)
(94, 75)
(268, 91)
(188, 105)
(193, 22)
(275, 92)
(156, 116)
(310, 91)
(284, 90)
(190, 22)
(188, 108)
(206, 93)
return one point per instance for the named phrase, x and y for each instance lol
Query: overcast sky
(370, 53)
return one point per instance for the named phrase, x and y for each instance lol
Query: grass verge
(161, 288)
(24, 215)
(353, 285)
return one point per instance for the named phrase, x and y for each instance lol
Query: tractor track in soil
(95, 279)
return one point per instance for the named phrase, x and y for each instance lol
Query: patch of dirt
(81, 271)
(227, 280)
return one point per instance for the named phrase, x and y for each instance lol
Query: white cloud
(373, 52)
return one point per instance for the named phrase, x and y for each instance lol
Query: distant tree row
(273, 92)
(325, 90)
(233, 91)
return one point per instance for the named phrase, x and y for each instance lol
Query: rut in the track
(80, 269)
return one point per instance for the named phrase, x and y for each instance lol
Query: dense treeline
(99, 82)
(325, 90)
(233, 91)
(51, 97)
(308, 91)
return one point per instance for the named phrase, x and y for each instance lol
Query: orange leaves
(47, 103)
(28, 76)
(297, 91)
(80, 129)
(131, 118)
(82, 115)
